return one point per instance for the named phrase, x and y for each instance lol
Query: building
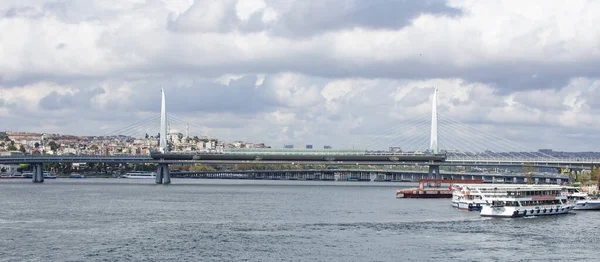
(326, 147)
(9, 169)
(288, 146)
(309, 146)
(11, 153)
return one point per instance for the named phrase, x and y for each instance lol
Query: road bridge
(433, 157)
(367, 175)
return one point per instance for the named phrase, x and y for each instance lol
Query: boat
(467, 197)
(48, 175)
(523, 200)
(76, 175)
(19, 175)
(434, 188)
(137, 174)
(581, 200)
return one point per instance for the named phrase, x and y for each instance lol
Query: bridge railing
(522, 159)
(75, 157)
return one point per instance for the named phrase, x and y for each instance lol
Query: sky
(343, 73)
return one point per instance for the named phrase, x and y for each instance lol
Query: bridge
(365, 175)
(432, 157)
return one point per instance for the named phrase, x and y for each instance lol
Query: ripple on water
(121, 221)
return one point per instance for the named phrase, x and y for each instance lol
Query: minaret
(434, 147)
(163, 125)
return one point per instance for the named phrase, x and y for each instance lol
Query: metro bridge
(433, 157)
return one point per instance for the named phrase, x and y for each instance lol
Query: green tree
(595, 174)
(528, 168)
(36, 145)
(53, 145)
(201, 167)
(22, 149)
(11, 148)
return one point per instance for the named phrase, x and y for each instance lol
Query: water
(237, 220)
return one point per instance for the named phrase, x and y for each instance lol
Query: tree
(201, 167)
(11, 148)
(22, 149)
(595, 174)
(1, 144)
(36, 145)
(147, 136)
(53, 145)
(528, 168)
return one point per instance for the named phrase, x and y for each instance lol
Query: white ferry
(137, 174)
(524, 200)
(581, 200)
(467, 197)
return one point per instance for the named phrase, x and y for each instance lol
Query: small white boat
(581, 200)
(467, 197)
(49, 175)
(140, 175)
(524, 200)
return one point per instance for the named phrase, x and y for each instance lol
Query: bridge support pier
(163, 176)
(434, 172)
(38, 173)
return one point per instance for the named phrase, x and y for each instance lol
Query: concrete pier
(38, 173)
(434, 172)
(163, 176)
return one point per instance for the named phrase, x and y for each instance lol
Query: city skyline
(276, 73)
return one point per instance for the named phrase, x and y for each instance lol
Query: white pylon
(433, 146)
(163, 125)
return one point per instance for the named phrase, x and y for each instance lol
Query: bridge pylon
(163, 146)
(163, 176)
(434, 172)
(38, 173)
(434, 146)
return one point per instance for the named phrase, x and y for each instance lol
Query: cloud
(300, 71)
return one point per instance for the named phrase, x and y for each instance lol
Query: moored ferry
(432, 188)
(524, 200)
(467, 197)
(137, 174)
(581, 200)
